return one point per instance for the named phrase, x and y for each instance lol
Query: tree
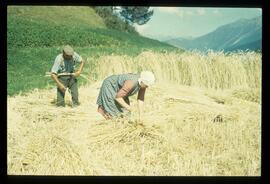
(135, 14)
(112, 20)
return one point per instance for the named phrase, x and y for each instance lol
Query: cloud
(141, 28)
(201, 11)
(188, 12)
(183, 12)
(171, 10)
(216, 12)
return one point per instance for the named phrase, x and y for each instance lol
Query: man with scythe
(64, 74)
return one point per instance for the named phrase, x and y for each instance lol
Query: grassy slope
(36, 35)
(57, 15)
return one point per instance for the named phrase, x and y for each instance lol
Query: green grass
(23, 33)
(36, 34)
(58, 15)
(27, 66)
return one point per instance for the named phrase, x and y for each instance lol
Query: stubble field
(201, 118)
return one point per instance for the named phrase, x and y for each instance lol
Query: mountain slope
(256, 45)
(239, 34)
(44, 26)
(58, 15)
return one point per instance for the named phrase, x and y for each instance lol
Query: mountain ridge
(233, 35)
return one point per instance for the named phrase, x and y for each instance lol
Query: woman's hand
(129, 108)
(122, 102)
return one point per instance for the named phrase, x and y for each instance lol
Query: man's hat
(68, 50)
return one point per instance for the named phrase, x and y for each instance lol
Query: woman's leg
(102, 112)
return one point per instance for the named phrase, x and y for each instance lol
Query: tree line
(124, 17)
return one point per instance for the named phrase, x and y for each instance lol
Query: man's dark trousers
(71, 83)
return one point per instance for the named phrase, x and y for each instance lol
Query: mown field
(186, 130)
(201, 118)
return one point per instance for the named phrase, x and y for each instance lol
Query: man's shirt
(62, 65)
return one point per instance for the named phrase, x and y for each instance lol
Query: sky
(191, 22)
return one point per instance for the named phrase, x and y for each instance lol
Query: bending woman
(114, 93)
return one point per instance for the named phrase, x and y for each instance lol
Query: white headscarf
(147, 78)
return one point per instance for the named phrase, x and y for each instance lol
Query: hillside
(35, 35)
(242, 34)
(45, 26)
(57, 15)
(255, 45)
